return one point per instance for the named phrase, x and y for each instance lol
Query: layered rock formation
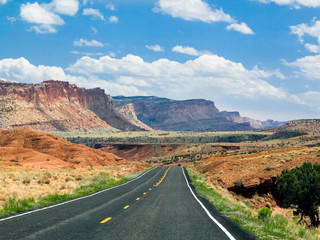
(189, 115)
(55, 105)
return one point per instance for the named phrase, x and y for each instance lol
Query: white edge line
(206, 210)
(73, 200)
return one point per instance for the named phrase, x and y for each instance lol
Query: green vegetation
(300, 188)
(265, 227)
(90, 138)
(101, 181)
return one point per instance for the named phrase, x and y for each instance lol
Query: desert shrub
(26, 181)
(300, 188)
(264, 213)
(238, 183)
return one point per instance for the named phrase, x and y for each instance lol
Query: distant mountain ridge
(61, 106)
(188, 115)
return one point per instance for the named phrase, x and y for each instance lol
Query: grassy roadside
(263, 226)
(100, 182)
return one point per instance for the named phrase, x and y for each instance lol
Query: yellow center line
(144, 193)
(106, 220)
(126, 207)
(138, 199)
(149, 189)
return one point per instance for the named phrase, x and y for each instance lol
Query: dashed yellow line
(137, 199)
(106, 220)
(161, 179)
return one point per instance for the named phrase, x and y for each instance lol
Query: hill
(28, 147)
(297, 128)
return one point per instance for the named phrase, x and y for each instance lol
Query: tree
(300, 188)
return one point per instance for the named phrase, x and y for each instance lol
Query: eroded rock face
(58, 106)
(172, 115)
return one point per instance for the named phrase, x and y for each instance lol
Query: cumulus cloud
(45, 16)
(192, 10)
(242, 27)
(93, 12)
(312, 30)
(114, 19)
(21, 70)
(209, 73)
(294, 3)
(189, 50)
(199, 10)
(87, 43)
(35, 13)
(156, 48)
(3, 2)
(308, 66)
(69, 7)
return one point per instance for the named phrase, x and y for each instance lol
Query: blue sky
(258, 57)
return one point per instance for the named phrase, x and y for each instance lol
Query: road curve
(158, 205)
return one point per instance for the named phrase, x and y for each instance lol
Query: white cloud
(87, 43)
(192, 10)
(114, 19)
(309, 66)
(94, 30)
(87, 53)
(199, 10)
(11, 19)
(312, 30)
(35, 13)
(21, 70)
(242, 27)
(69, 7)
(294, 3)
(3, 2)
(45, 16)
(43, 29)
(189, 51)
(156, 48)
(93, 12)
(208, 73)
(111, 7)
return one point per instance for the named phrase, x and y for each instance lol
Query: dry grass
(22, 183)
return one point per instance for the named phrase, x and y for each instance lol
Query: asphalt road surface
(157, 205)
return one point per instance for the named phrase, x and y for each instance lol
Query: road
(157, 205)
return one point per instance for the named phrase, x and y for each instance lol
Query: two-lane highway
(158, 205)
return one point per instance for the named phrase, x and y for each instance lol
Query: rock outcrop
(58, 106)
(172, 115)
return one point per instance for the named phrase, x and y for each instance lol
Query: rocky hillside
(27, 147)
(58, 106)
(297, 128)
(189, 115)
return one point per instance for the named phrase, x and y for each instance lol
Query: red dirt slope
(27, 147)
